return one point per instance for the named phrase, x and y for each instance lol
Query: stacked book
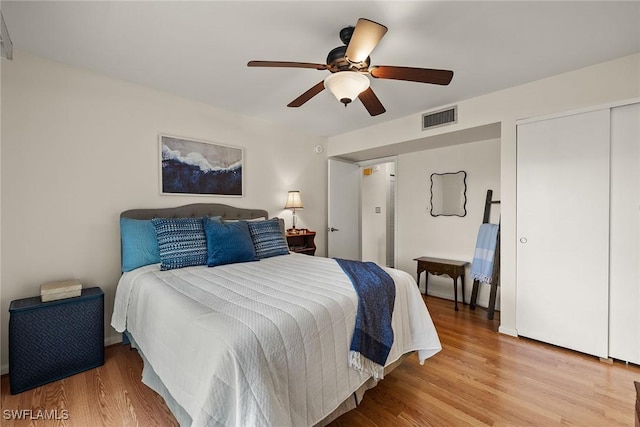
(60, 290)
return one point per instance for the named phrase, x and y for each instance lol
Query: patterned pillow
(268, 239)
(181, 242)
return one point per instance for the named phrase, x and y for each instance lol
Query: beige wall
(79, 148)
(610, 81)
(449, 237)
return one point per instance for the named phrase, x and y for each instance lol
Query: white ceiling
(199, 49)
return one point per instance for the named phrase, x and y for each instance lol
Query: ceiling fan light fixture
(350, 67)
(346, 85)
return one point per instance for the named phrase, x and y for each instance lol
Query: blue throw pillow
(228, 243)
(139, 243)
(181, 242)
(267, 238)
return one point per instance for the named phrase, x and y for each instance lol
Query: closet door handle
(523, 240)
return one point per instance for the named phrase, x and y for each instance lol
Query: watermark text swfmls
(31, 414)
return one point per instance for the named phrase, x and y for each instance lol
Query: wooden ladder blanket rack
(495, 274)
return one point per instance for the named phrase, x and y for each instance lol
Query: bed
(262, 343)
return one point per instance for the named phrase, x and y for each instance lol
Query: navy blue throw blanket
(373, 335)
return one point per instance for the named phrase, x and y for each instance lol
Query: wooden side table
(448, 267)
(302, 241)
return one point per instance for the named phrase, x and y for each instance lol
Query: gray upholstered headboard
(197, 210)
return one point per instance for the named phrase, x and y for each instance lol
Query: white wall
(610, 81)
(79, 148)
(450, 237)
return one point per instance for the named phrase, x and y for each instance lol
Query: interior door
(343, 233)
(563, 231)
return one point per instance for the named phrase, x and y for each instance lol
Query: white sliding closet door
(624, 318)
(563, 231)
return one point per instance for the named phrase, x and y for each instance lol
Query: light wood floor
(479, 378)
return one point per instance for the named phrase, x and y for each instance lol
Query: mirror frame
(464, 194)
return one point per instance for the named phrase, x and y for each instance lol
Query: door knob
(333, 229)
(523, 240)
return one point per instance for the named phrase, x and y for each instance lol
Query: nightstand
(52, 340)
(302, 242)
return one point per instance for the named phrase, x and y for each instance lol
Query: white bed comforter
(261, 343)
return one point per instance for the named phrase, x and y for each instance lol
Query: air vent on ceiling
(440, 118)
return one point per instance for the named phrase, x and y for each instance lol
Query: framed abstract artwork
(189, 166)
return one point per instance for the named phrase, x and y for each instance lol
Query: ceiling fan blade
(420, 75)
(371, 102)
(285, 64)
(365, 38)
(307, 95)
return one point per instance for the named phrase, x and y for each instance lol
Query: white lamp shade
(365, 38)
(293, 200)
(346, 85)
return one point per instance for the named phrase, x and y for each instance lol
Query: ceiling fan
(350, 64)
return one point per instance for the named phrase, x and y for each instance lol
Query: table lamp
(294, 202)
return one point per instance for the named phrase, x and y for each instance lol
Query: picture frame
(194, 167)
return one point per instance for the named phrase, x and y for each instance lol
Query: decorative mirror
(449, 194)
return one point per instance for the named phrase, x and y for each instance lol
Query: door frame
(371, 162)
(362, 164)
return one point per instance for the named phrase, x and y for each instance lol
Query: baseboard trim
(115, 339)
(508, 331)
